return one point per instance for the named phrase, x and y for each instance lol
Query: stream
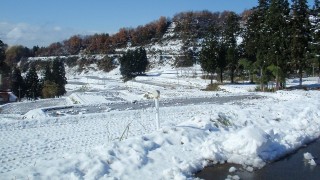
(291, 167)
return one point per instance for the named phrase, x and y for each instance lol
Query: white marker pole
(157, 113)
(156, 96)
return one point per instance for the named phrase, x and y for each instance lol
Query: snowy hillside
(160, 53)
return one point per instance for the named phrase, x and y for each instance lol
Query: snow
(235, 177)
(232, 169)
(310, 159)
(87, 98)
(12, 97)
(312, 162)
(124, 144)
(308, 156)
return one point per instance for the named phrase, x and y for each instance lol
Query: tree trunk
(261, 80)
(277, 82)
(300, 76)
(251, 77)
(211, 78)
(232, 76)
(221, 76)
(277, 77)
(319, 68)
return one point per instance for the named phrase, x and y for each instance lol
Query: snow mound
(249, 142)
(35, 114)
(238, 88)
(87, 98)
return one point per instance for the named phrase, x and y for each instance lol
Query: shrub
(106, 64)
(49, 90)
(71, 61)
(84, 62)
(212, 87)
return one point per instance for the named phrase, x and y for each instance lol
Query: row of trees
(220, 49)
(278, 40)
(51, 84)
(105, 43)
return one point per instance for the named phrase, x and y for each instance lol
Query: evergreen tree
(32, 84)
(300, 36)
(256, 39)
(230, 37)
(186, 59)
(250, 40)
(141, 60)
(47, 74)
(262, 42)
(263, 5)
(106, 64)
(126, 64)
(2, 52)
(4, 68)
(17, 83)
(315, 30)
(209, 54)
(316, 8)
(59, 76)
(277, 23)
(133, 63)
(221, 61)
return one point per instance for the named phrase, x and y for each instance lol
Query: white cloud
(32, 35)
(57, 28)
(15, 33)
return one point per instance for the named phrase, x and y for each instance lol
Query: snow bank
(86, 98)
(35, 114)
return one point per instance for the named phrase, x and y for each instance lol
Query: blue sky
(41, 22)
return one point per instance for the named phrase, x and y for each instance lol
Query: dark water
(292, 167)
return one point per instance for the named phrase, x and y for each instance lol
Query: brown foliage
(98, 44)
(196, 24)
(121, 38)
(73, 45)
(15, 53)
(245, 15)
